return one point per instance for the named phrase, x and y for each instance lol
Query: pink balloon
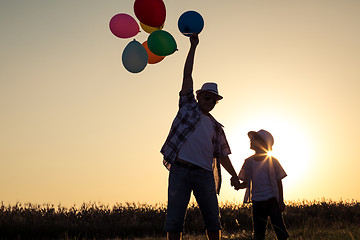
(123, 25)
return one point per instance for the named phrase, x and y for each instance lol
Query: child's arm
(242, 176)
(243, 185)
(281, 196)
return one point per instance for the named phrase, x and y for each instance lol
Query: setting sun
(291, 145)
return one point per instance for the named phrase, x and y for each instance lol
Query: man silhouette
(193, 152)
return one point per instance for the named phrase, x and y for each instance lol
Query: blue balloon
(190, 22)
(134, 57)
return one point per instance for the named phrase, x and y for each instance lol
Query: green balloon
(161, 43)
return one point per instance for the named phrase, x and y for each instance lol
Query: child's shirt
(262, 178)
(261, 184)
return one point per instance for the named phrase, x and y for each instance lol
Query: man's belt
(187, 165)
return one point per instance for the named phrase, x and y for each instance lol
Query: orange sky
(77, 127)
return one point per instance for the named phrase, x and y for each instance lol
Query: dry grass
(308, 220)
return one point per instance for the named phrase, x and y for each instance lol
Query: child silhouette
(261, 175)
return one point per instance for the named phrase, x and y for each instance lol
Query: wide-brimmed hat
(264, 135)
(211, 88)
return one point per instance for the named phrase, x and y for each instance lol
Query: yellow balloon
(149, 29)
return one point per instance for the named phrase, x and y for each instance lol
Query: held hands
(234, 181)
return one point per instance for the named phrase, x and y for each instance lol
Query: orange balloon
(153, 58)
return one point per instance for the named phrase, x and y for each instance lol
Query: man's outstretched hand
(194, 39)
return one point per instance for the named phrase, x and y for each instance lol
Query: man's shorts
(182, 181)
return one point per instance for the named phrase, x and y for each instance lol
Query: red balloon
(123, 25)
(150, 12)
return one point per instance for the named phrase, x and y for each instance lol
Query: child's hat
(264, 135)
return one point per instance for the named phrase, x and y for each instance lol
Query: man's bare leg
(174, 236)
(213, 235)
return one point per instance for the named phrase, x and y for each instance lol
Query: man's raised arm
(189, 63)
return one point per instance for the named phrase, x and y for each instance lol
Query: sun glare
(270, 154)
(291, 147)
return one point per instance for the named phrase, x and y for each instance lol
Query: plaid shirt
(185, 123)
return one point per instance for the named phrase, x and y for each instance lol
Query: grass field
(304, 220)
